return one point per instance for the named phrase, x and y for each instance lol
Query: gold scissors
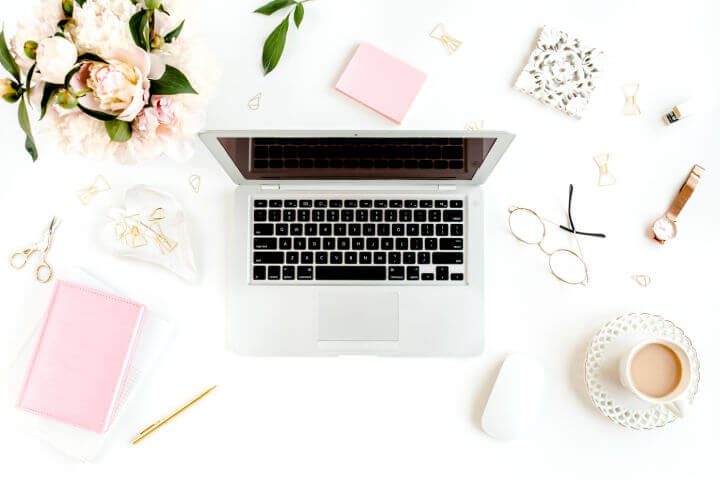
(43, 272)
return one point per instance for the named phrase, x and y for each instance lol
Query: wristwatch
(665, 227)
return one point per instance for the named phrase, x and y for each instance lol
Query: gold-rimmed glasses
(565, 265)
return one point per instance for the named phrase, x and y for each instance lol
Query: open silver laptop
(356, 242)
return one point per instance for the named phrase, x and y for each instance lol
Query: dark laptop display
(441, 158)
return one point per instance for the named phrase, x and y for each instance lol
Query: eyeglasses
(565, 265)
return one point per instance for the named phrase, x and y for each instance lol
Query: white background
(364, 417)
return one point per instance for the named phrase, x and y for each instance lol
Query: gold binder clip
(194, 182)
(631, 107)
(99, 185)
(451, 43)
(605, 178)
(254, 102)
(643, 280)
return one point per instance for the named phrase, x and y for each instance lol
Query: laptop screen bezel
(211, 139)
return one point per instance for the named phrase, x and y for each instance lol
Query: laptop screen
(360, 158)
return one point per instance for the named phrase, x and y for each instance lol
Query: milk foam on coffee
(656, 370)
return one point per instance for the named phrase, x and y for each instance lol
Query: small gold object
(642, 280)
(451, 43)
(43, 271)
(99, 185)
(473, 126)
(134, 232)
(254, 102)
(150, 429)
(665, 227)
(194, 182)
(605, 178)
(157, 214)
(631, 107)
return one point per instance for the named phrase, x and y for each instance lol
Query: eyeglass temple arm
(572, 224)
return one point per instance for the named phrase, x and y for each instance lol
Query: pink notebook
(82, 356)
(380, 81)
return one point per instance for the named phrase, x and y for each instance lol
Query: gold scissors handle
(19, 259)
(43, 272)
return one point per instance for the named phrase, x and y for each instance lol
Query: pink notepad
(380, 81)
(82, 356)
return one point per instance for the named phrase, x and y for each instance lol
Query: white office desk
(412, 418)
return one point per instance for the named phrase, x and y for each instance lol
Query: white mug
(676, 400)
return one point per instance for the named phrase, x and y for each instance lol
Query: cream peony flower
(56, 56)
(41, 24)
(119, 87)
(101, 26)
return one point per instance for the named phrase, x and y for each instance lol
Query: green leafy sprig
(275, 42)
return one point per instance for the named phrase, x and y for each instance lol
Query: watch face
(664, 229)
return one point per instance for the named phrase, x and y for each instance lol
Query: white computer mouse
(516, 399)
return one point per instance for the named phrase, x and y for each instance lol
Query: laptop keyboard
(365, 239)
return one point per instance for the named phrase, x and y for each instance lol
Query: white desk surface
(359, 417)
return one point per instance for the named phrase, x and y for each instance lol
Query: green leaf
(274, 46)
(90, 57)
(118, 131)
(80, 2)
(163, 10)
(172, 82)
(105, 117)
(49, 92)
(67, 7)
(25, 125)
(6, 58)
(28, 79)
(140, 29)
(63, 23)
(273, 6)
(69, 75)
(174, 33)
(299, 14)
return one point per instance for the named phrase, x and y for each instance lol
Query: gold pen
(174, 414)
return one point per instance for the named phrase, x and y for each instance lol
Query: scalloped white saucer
(602, 380)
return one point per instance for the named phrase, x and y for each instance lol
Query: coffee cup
(658, 372)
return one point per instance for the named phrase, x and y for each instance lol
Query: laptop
(356, 242)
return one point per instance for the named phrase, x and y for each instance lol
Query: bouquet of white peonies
(108, 78)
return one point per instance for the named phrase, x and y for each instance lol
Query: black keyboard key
(428, 276)
(398, 229)
(350, 203)
(452, 216)
(320, 203)
(339, 229)
(318, 215)
(383, 229)
(456, 203)
(391, 215)
(303, 215)
(260, 215)
(288, 273)
(275, 203)
(376, 215)
(292, 257)
(305, 273)
(274, 215)
(426, 203)
(441, 203)
(447, 258)
(380, 258)
(456, 276)
(325, 229)
(299, 243)
(335, 203)
(396, 273)
(365, 257)
(361, 215)
(310, 229)
(305, 203)
(442, 273)
(350, 273)
(368, 229)
(354, 229)
(288, 215)
(343, 243)
(434, 216)
(380, 204)
(273, 272)
(263, 229)
(419, 215)
(347, 215)
(290, 203)
(396, 203)
(350, 257)
(333, 215)
(265, 243)
(372, 243)
(386, 243)
(260, 203)
(456, 229)
(411, 203)
(335, 257)
(451, 244)
(431, 244)
(365, 203)
(394, 258)
(413, 273)
(321, 257)
(306, 257)
(328, 244)
(416, 244)
(441, 229)
(259, 271)
(358, 244)
(296, 229)
(424, 258)
(413, 230)
(409, 258)
(264, 258)
(285, 243)
(314, 243)
(405, 215)
(401, 244)
(427, 230)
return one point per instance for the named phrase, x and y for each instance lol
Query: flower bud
(67, 6)
(152, 4)
(30, 49)
(157, 42)
(66, 99)
(9, 90)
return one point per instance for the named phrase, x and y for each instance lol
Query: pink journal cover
(82, 356)
(380, 81)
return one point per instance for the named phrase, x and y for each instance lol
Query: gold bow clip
(450, 43)
(605, 178)
(99, 185)
(631, 107)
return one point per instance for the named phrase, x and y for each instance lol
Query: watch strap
(685, 192)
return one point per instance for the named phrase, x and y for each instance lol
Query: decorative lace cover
(602, 359)
(560, 72)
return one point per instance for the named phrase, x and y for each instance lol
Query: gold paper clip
(605, 178)
(254, 102)
(631, 107)
(194, 182)
(163, 242)
(157, 214)
(643, 280)
(451, 43)
(99, 185)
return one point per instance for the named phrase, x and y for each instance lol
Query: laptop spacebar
(349, 273)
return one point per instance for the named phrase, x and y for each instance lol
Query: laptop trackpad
(358, 316)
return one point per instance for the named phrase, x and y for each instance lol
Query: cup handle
(678, 407)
